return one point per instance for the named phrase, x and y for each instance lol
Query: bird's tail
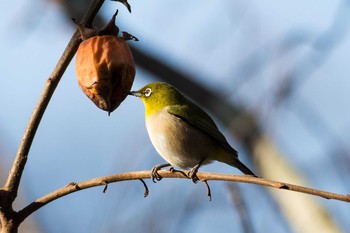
(232, 160)
(243, 168)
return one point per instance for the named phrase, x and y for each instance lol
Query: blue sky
(210, 40)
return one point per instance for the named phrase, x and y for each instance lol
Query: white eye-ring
(148, 92)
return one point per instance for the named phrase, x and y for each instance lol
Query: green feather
(196, 117)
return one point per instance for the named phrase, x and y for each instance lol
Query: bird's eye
(148, 92)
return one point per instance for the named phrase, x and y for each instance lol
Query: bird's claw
(155, 175)
(192, 174)
(154, 172)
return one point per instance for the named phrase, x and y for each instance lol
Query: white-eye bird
(182, 133)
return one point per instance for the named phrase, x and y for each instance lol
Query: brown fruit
(104, 66)
(105, 70)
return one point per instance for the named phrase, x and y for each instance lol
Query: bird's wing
(196, 117)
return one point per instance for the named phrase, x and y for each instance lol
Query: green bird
(182, 133)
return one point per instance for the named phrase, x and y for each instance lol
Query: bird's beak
(135, 93)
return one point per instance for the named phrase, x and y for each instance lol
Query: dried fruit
(105, 66)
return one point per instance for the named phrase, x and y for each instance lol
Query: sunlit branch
(13, 180)
(203, 176)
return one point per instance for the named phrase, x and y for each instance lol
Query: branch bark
(203, 176)
(13, 180)
(9, 220)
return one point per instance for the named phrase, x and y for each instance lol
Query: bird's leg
(154, 172)
(192, 173)
(172, 169)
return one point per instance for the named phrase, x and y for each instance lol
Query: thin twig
(208, 189)
(105, 188)
(137, 175)
(145, 194)
(14, 178)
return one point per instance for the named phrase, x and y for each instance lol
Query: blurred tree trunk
(303, 212)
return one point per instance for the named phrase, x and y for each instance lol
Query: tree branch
(203, 176)
(15, 174)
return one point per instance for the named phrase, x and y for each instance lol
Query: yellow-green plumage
(182, 133)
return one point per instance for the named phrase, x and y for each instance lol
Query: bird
(183, 133)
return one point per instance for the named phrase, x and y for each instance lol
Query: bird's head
(158, 95)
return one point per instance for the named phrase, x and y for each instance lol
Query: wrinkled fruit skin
(105, 70)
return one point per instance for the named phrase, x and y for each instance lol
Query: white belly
(178, 142)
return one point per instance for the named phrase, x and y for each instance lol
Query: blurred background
(274, 75)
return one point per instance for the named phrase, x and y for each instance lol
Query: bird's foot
(184, 173)
(154, 172)
(192, 174)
